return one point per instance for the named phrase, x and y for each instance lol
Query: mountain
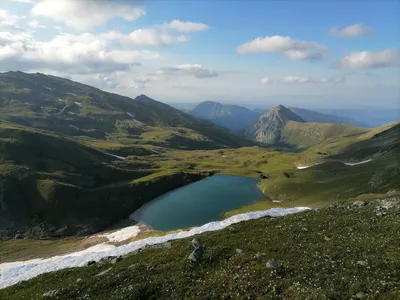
(232, 117)
(71, 108)
(317, 117)
(267, 129)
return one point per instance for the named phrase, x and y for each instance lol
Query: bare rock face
(269, 126)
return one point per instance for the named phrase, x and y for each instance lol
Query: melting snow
(72, 94)
(358, 163)
(47, 87)
(12, 273)
(122, 234)
(116, 156)
(79, 104)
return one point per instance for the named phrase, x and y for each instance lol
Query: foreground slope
(232, 117)
(319, 255)
(64, 106)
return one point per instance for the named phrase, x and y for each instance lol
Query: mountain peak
(269, 126)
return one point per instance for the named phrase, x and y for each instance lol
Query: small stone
(78, 280)
(195, 243)
(258, 255)
(104, 272)
(327, 238)
(359, 203)
(92, 262)
(197, 253)
(116, 260)
(272, 264)
(362, 263)
(52, 293)
(304, 229)
(361, 295)
(239, 251)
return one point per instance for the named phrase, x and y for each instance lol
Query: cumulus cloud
(285, 45)
(85, 53)
(185, 26)
(367, 59)
(35, 24)
(300, 79)
(266, 81)
(150, 37)
(351, 31)
(84, 14)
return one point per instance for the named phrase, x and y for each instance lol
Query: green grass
(321, 257)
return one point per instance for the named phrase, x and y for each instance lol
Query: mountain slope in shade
(313, 116)
(232, 117)
(268, 128)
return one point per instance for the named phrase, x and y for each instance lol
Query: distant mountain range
(232, 117)
(236, 118)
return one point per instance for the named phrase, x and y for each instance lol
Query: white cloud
(85, 53)
(366, 59)
(195, 70)
(300, 79)
(35, 24)
(292, 49)
(185, 26)
(266, 81)
(83, 14)
(351, 31)
(23, 1)
(150, 37)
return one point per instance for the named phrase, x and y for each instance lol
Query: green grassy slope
(304, 135)
(71, 108)
(343, 252)
(50, 185)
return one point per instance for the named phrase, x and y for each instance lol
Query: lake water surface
(199, 203)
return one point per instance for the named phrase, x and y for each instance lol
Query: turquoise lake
(199, 203)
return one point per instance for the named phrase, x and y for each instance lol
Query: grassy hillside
(67, 107)
(319, 255)
(50, 185)
(304, 135)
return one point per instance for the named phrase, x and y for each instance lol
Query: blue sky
(302, 53)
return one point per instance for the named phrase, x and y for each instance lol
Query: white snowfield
(79, 104)
(122, 234)
(347, 164)
(358, 163)
(12, 273)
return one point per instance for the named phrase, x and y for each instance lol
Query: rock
(92, 262)
(361, 295)
(195, 242)
(359, 203)
(116, 260)
(262, 176)
(104, 272)
(52, 293)
(239, 251)
(327, 238)
(258, 255)
(78, 280)
(107, 259)
(362, 263)
(272, 264)
(197, 253)
(18, 236)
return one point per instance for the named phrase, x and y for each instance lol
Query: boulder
(197, 253)
(272, 264)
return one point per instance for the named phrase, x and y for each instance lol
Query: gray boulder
(197, 253)
(272, 264)
(51, 294)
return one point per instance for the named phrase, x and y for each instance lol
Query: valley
(77, 162)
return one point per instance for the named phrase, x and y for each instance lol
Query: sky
(320, 54)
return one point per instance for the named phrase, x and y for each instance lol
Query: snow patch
(133, 119)
(276, 201)
(12, 273)
(46, 87)
(121, 235)
(72, 94)
(72, 126)
(358, 163)
(113, 155)
(79, 104)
